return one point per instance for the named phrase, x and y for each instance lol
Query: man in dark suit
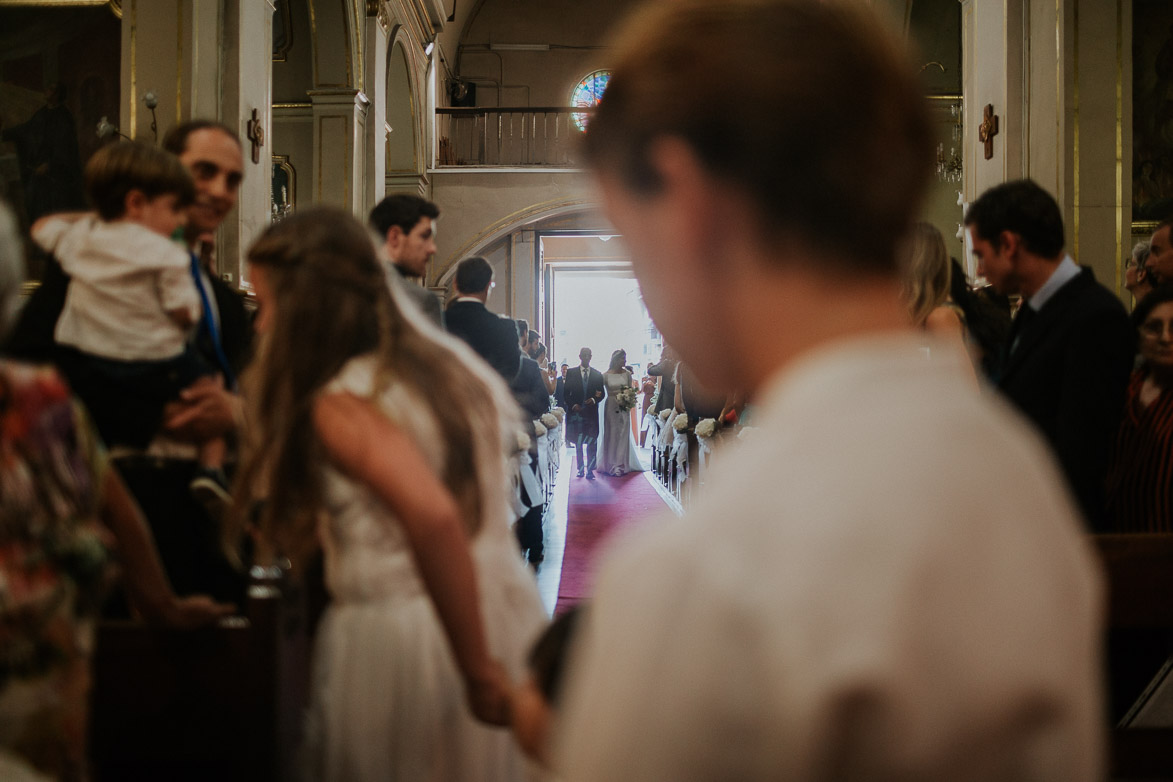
(492, 337)
(584, 391)
(1071, 346)
(404, 223)
(186, 536)
(560, 387)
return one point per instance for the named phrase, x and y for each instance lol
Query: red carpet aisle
(597, 510)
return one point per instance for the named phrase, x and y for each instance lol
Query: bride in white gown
(618, 455)
(374, 434)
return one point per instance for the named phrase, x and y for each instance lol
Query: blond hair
(926, 272)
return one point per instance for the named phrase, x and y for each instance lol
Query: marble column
(340, 148)
(376, 120)
(1058, 73)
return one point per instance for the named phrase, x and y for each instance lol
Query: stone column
(523, 276)
(248, 88)
(340, 144)
(204, 59)
(1058, 73)
(170, 48)
(376, 120)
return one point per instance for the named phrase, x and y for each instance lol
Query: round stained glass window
(587, 93)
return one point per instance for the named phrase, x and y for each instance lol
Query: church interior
(479, 106)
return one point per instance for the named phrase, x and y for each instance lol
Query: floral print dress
(54, 563)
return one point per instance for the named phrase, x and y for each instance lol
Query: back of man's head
(522, 328)
(116, 169)
(845, 188)
(473, 275)
(401, 210)
(175, 140)
(1020, 207)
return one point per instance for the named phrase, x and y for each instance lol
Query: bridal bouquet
(549, 420)
(706, 427)
(626, 398)
(680, 423)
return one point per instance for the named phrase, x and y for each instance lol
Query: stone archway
(403, 151)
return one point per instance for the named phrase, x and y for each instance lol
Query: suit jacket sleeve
(31, 337)
(1096, 370)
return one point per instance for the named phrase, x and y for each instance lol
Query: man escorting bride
(619, 455)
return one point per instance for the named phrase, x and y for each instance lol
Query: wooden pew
(1139, 570)
(221, 703)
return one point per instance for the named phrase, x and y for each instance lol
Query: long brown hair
(333, 303)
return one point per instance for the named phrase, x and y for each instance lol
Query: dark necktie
(1021, 325)
(208, 328)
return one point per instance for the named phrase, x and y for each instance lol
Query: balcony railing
(499, 136)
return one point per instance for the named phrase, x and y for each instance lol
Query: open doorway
(593, 300)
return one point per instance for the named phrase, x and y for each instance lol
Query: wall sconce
(429, 46)
(106, 129)
(152, 102)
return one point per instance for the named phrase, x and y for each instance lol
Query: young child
(132, 299)
(536, 699)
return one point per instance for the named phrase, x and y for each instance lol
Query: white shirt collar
(467, 298)
(1065, 272)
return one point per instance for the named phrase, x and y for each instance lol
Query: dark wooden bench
(221, 703)
(1139, 570)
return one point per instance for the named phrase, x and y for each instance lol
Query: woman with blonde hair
(375, 437)
(925, 287)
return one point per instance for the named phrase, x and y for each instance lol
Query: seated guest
(548, 375)
(492, 337)
(1137, 279)
(1140, 474)
(63, 508)
(533, 344)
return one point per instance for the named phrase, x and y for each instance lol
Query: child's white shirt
(124, 278)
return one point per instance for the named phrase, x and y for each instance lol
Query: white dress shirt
(123, 280)
(886, 581)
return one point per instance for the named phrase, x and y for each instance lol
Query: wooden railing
(503, 136)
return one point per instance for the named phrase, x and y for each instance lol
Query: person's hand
(205, 410)
(490, 695)
(186, 613)
(575, 408)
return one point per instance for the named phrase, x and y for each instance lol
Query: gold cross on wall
(988, 129)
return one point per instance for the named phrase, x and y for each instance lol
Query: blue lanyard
(208, 324)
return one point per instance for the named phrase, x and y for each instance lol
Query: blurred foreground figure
(888, 581)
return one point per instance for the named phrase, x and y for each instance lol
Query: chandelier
(949, 167)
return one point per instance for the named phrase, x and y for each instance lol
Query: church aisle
(597, 510)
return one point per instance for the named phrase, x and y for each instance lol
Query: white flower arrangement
(549, 420)
(559, 413)
(539, 429)
(665, 413)
(626, 398)
(680, 422)
(524, 443)
(706, 427)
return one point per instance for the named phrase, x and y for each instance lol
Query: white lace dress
(618, 455)
(387, 701)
